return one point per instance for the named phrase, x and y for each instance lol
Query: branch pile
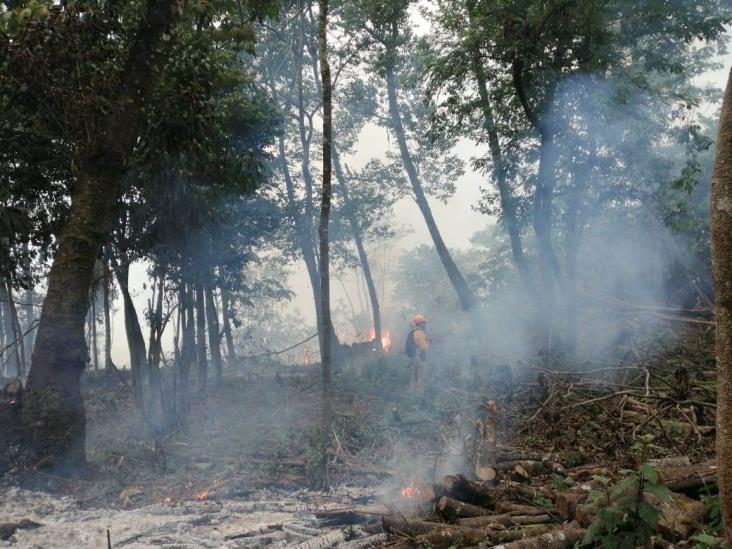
(538, 512)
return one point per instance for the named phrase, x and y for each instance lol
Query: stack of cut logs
(526, 501)
(531, 513)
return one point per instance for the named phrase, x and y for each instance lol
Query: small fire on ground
(385, 339)
(417, 491)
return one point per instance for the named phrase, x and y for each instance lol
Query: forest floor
(249, 455)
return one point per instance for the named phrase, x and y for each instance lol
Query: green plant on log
(626, 518)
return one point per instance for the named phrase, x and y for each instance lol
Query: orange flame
(385, 339)
(411, 491)
(202, 496)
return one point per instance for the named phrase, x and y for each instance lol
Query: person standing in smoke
(416, 348)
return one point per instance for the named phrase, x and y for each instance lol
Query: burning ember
(385, 339)
(417, 490)
(201, 496)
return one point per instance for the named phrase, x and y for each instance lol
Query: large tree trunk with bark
(721, 228)
(358, 239)
(214, 337)
(464, 293)
(53, 408)
(326, 326)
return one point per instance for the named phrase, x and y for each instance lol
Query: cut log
(680, 518)
(687, 478)
(397, 524)
(323, 542)
(558, 539)
(566, 502)
(459, 488)
(532, 467)
(455, 536)
(451, 509)
(485, 473)
(256, 531)
(508, 507)
(585, 514)
(676, 461)
(517, 455)
(378, 540)
(504, 520)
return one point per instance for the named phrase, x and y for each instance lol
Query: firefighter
(416, 348)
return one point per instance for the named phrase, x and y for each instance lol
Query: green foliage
(560, 483)
(626, 519)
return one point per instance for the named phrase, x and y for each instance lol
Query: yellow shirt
(421, 340)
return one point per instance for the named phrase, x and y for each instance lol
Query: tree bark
(358, 239)
(133, 331)
(107, 281)
(15, 333)
(95, 348)
(53, 409)
(721, 229)
(326, 326)
(305, 242)
(201, 338)
(507, 200)
(214, 337)
(464, 293)
(225, 314)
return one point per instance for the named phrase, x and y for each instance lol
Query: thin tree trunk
(326, 326)
(133, 331)
(95, 348)
(214, 334)
(13, 332)
(53, 410)
(358, 239)
(507, 200)
(18, 331)
(107, 281)
(225, 304)
(721, 228)
(201, 338)
(301, 227)
(464, 293)
(187, 351)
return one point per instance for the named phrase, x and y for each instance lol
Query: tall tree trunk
(507, 200)
(201, 338)
(326, 326)
(133, 331)
(53, 410)
(95, 348)
(543, 200)
(464, 293)
(225, 315)
(187, 351)
(358, 239)
(214, 334)
(107, 281)
(14, 333)
(301, 227)
(721, 229)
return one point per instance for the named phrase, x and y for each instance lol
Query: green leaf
(648, 514)
(650, 472)
(706, 539)
(661, 492)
